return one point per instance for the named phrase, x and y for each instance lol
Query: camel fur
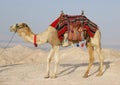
(51, 36)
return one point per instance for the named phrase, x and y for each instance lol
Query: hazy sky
(38, 14)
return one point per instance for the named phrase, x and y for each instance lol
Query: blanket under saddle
(74, 25)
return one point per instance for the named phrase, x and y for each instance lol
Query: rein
(8, 43)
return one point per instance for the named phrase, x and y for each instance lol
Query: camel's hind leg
(98, 49)
(51, 54)
(91, 58)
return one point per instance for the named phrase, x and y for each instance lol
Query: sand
(21, 65)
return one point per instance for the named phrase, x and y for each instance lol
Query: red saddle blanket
(72, 25)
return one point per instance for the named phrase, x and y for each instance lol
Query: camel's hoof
(53, 76)
(85, 76)
(46, 76)
(99, 74)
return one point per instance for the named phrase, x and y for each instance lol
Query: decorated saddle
(74, 25)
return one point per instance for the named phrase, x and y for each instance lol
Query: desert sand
(22, 65)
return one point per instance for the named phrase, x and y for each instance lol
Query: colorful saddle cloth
(74, 25)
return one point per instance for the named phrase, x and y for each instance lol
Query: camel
(50, 35)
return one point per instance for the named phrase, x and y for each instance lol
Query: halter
(35, 38)
(17, 27)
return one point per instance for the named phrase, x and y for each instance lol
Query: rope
(8, 43)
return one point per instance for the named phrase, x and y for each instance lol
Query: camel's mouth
(13, 28)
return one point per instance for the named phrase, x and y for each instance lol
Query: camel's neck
(30, 37)
(27, 36)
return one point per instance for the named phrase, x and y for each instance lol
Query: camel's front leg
(56, 48)
(48, 62)
(91, 58)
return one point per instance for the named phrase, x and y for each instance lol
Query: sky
(39, 14)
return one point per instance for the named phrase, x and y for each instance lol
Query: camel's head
(18, 27)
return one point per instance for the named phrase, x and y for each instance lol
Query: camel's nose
(11, 29)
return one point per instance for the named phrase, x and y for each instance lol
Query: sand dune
(20, 65)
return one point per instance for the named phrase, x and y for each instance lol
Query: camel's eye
(20, 26)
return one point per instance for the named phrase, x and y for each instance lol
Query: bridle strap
(17, 27)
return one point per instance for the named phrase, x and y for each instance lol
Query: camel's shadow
(70, 68)
(7, 67)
